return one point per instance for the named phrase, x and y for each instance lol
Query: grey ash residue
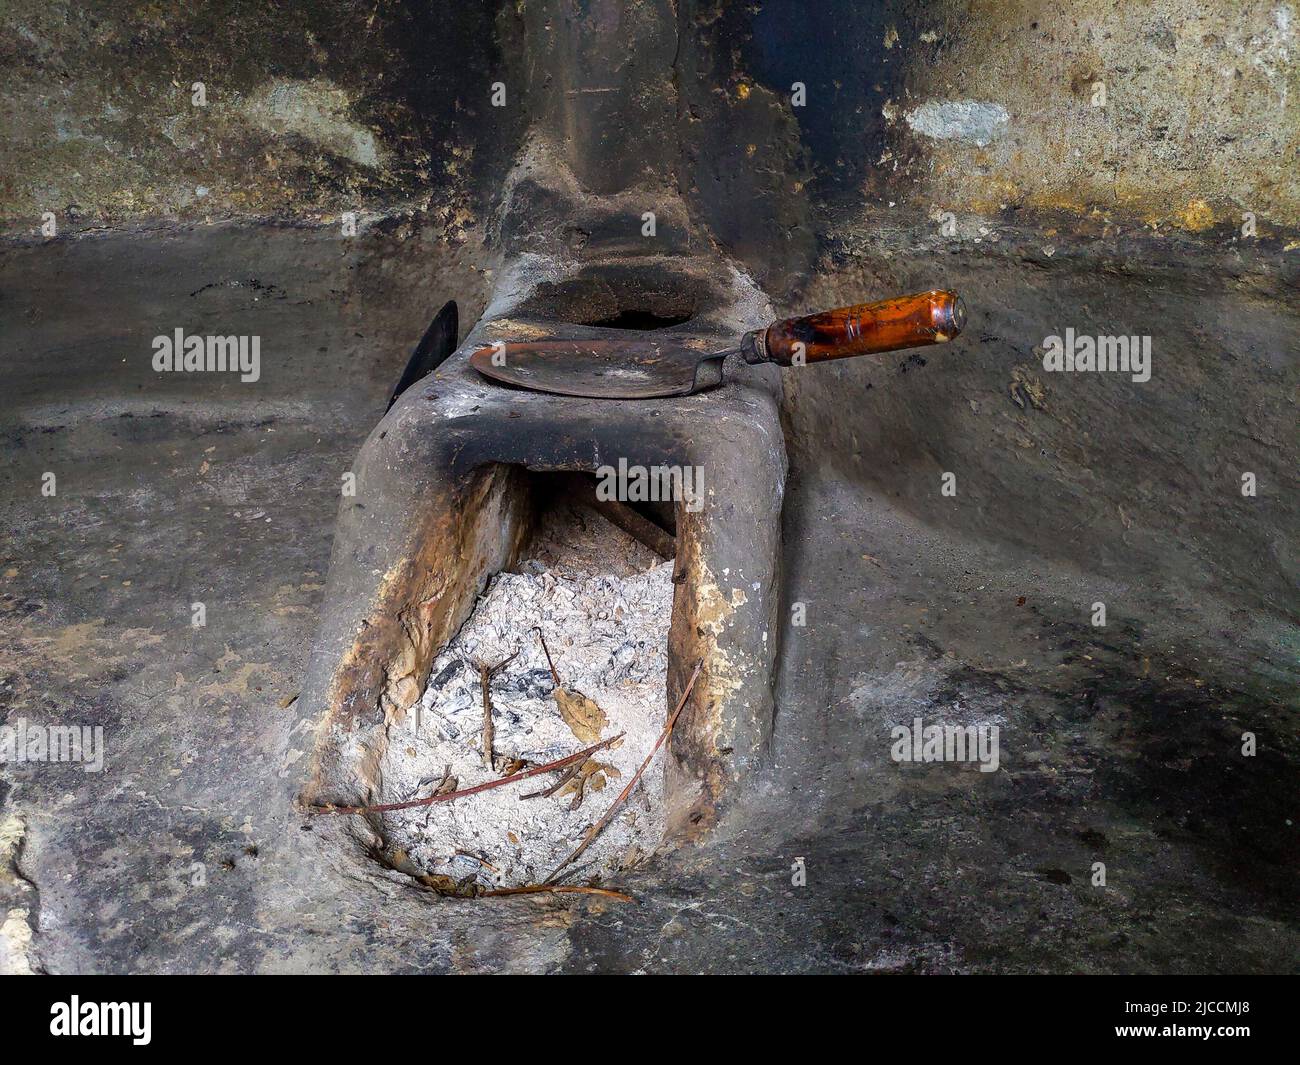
(604, 603)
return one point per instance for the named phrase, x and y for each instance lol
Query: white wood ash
(604, 603)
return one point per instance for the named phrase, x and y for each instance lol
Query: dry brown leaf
(575, 787)
(445, 885)
(592, 773)
(584, 718)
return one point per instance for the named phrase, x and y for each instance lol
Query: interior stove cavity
(591, 606)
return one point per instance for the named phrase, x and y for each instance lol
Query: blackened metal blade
(603, 369)
(438, 342)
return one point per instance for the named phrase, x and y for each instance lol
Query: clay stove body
(444, 500)
(444, 483)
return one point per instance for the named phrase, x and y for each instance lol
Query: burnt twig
(478, 858)
(446, 784)
(561, 889)
(565, 777)
(485, 674)
(559, 763)
(547, 651)
(640, 528)
(439, 785)
(596, 829)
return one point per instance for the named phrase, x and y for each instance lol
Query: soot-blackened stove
(445, 497)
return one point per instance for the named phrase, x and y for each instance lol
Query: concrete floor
(1119, 745)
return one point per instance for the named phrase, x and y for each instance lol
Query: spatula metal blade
(601, 369)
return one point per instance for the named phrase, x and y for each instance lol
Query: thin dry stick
(549, 767)
(564, 889)
(478, 858)
(485, 682)
(485, 674)
(447, 778)
(596, 829)
(554, 676)
(565, 777)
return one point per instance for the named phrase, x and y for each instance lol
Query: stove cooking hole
(641, 320)
(632, 296)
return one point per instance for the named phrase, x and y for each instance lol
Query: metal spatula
(673, 366)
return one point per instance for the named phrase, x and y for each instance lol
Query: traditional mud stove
(546, 382)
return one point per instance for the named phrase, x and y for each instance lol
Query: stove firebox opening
(566, 648)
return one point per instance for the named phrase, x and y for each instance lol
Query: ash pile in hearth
(603, 603)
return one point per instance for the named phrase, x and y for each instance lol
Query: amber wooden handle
(865, 329)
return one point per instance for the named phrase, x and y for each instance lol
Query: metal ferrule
(753, 346)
